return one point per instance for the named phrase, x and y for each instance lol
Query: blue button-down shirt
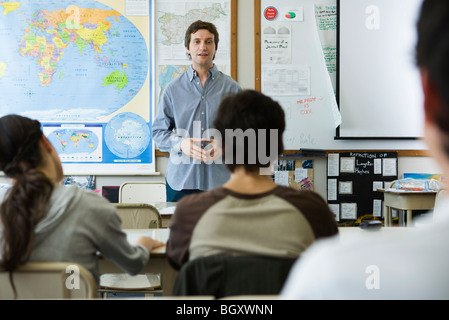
(188, 110)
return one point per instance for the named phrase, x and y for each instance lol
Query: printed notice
(349, 210)
(377, 208)
(301, 174)
(332, 189)
(389, 167)
(378, 185)
(286, 80)
(377, 166)
(281, 178)
(347, 164)
(345, 187)
(333, 161)
(276, 45)
(335, 208)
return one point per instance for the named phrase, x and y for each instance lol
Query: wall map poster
(84, 70)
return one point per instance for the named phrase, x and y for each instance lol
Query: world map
(68, 61)
(74, 141)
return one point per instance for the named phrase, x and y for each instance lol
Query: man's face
(202, 48)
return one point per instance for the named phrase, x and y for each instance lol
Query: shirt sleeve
(164, 123)
(114, 245)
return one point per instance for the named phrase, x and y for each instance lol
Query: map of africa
(68, 61)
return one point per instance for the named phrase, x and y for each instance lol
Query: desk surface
(163, 234)
(406, 192)
(157, 234)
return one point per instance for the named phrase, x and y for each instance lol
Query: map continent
(127, 135)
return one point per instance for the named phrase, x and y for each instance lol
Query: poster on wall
(84, 70)
(172, 18)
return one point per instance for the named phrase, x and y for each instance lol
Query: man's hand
(213, 151)
(192, 147)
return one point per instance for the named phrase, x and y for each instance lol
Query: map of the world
(68, 60)
(92, 71)
(71, 141)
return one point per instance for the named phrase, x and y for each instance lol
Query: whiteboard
(380, 92)
(311, 119)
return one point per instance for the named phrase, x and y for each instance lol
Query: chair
(138, 216)
(223, 276)
(133, 216)
(142, 192)
(49, 280)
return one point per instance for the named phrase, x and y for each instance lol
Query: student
(188, 106)
(249, 214)
(41, 220)
(401, 266)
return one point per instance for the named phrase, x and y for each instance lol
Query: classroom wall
(246, 78)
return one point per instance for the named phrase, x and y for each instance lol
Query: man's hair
(201, 25)
(242, 119)
(432, 54)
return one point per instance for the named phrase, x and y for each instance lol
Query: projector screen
(378, 85)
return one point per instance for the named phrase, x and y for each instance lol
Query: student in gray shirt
(186, 112)
(41, 220)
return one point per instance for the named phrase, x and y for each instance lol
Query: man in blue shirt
(186, 113)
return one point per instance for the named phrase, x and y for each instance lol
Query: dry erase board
(379, 90)
(297, 64)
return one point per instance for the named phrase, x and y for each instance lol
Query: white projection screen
(379, 91)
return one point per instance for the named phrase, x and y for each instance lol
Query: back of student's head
(251, 126)
(26, 201)
(433, 54)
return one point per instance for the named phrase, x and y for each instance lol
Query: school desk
(166, 210)
(158, 262)
(407, 201)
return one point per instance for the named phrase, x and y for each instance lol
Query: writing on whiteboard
(306, 105)
(304, 139)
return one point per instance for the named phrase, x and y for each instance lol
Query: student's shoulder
(298, 196)
(93, 202)
(200, 202)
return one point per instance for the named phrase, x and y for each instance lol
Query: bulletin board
(297, 64)
(352, 180)
(294, 173)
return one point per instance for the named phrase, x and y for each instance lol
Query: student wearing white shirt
(413, 265)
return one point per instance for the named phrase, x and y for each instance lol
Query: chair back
(138, 216)
(49, 280)
(223, 276)
(142, 192)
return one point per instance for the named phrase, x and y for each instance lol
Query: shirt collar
(212, 72)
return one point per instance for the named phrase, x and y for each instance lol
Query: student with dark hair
(249, 214)
(395, 266)
(42, 220)
(187, 109)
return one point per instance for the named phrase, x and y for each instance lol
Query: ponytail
(26, 201)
